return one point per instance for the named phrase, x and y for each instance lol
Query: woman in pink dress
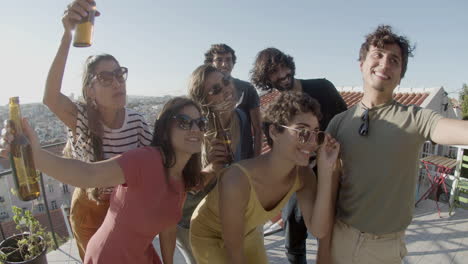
(151, 185)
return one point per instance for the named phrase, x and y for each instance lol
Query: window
(65, 188)
(3, 215)
(51, 187)
(54, 205)
(40, 207)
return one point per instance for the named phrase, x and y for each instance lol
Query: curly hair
(283, 110)
(382, 36)
(219, 49)
(266, 63)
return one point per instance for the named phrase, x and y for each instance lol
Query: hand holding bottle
(75, 13)
(7, 137)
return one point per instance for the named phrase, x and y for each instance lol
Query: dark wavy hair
(219, 49)
(283, 110)
(266, 63)
(384, 35)
(96, 129)
(162, 139)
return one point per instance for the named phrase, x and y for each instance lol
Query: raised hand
(75, 12)
(328, 153)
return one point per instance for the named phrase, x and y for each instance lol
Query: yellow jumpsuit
(205, 228)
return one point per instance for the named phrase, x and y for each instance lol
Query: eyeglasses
(185, 122)
(106, 78)
(217, 88)
(305, 135)
(364, 128)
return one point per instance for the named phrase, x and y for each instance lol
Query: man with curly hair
(274, 69)
(223, 58)
(380, 143)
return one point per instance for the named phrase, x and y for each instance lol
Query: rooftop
(352, 95)
(429, 239)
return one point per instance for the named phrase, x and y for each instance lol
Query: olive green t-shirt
(380, 170)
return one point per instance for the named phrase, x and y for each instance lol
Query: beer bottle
(22, 164)
(84, 30)
(224, 135)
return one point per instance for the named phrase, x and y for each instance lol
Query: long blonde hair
(197, 93)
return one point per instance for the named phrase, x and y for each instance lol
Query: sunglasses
(305, 135)
(364, 128)
(217, 88)
(106, 78)
(185, 122)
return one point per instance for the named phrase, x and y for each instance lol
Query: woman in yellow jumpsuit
(224, 228)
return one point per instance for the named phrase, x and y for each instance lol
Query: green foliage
(464, 100)
(33, 241)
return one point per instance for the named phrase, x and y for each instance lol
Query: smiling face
(288, 141)
(223, 62)
(282, 78)
(382, 67)
(187, 140)
(113, 95)
(220, 91)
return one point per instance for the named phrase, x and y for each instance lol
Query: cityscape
(52, 134)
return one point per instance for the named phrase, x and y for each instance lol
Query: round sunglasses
(185, 122)
(106, 78)
(305, 135)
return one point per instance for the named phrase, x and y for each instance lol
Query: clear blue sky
(161, 42)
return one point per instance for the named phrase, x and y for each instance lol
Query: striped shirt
(134, 133)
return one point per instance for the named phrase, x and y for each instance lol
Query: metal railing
(44, 196)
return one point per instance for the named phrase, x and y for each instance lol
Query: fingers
(5, 140)
(218, 153)
(7, 133)
(78, 10)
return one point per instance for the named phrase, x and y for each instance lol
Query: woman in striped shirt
(100, 127)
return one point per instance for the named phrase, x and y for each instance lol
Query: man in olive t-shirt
(380, 142)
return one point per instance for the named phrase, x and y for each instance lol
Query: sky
(162, 42)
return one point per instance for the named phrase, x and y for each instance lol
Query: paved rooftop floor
(430, 239)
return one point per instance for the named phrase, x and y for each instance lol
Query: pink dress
(139, 210)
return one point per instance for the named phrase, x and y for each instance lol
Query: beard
(280, 86)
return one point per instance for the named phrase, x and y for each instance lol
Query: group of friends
(346, 176)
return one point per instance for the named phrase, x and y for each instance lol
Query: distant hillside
(51, 130)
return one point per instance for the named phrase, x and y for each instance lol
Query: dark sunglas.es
(217, 88)
(186, 123)
(305, 135)
(106, 78)
(364, 128)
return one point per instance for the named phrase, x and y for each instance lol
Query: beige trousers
(350, 245)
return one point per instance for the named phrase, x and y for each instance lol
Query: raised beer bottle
(223, 135)
(22, 164)
(84, 30)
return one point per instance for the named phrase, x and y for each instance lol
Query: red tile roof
(351, 98)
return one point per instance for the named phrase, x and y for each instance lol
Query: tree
(464, 101)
